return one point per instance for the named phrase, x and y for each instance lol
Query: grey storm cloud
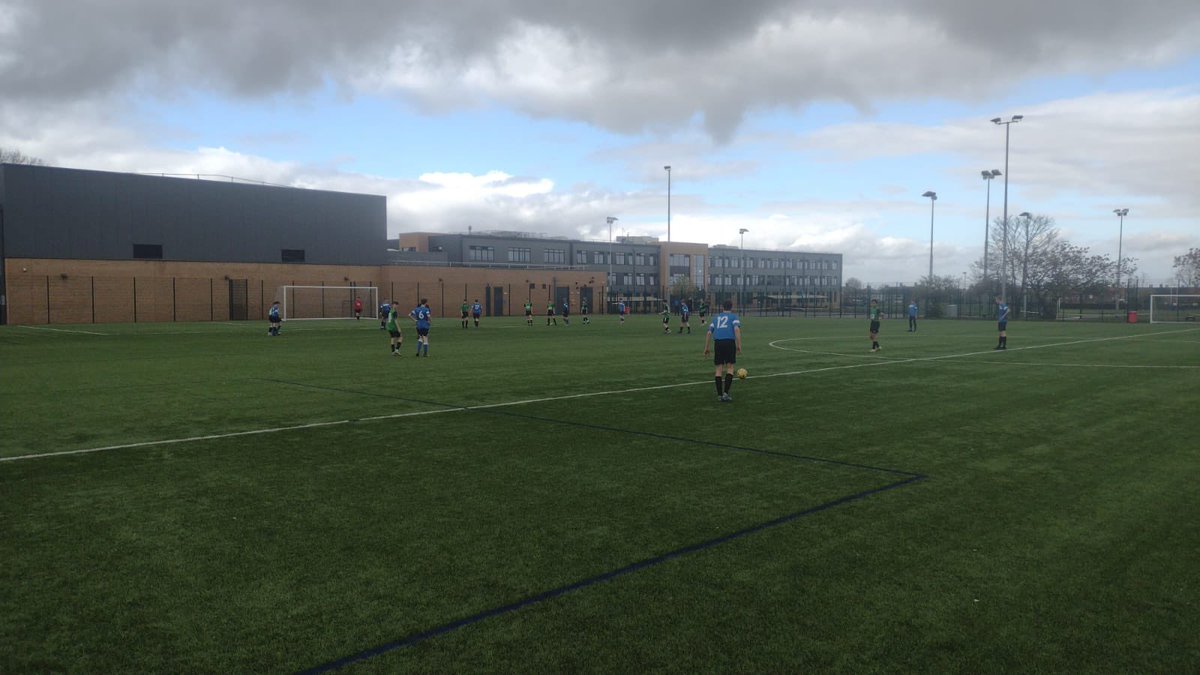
(624, 65)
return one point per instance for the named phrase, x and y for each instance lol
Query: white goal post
(1174, 308)
(299, 303)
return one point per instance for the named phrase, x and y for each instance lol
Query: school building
(81, 246)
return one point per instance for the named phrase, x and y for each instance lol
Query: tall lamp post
(932, 200)
(1121, 213)
(1004, 258)
(742, 286)
(987, 216)
(667, 168)
(611, 279)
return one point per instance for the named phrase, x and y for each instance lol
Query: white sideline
(419, 413)
(62, 330)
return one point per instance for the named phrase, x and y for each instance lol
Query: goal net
(326, 302)
(1174, 308)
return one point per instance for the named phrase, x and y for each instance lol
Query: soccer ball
(741, 373)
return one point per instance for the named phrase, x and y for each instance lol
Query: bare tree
(1187, 268)
(17, 157)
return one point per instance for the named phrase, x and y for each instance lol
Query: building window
(639, 259)
(518, 255)
(598, 258)
(148, 251)
(580, 257)
(555, 256)
(292, 255)
(482, 254)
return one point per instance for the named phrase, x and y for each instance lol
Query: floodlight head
(931, 194)
(611, 219)
(996, 172)
(987, 175)
(1121, 212)
(1017, 118)
(1026, 214)
(667, 167)
(742, 230)
(995, 120)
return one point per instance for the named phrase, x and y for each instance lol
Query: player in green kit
(529, 313)
(464, 313)
(550, 314)
(393, 327)
(666, 316)
(873, 312)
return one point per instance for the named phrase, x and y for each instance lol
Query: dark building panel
(95, 215)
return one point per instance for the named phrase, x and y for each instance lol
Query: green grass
(937, 506)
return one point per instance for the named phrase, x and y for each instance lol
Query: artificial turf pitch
(203, 497)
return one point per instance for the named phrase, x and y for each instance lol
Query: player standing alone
(529, 313)
(666, 315)
(357, 308)
(912, 316)
(873, 312)
(476, 310)
(550, 314)
(1002, 323)
(583, 310)
(566, 313)
(464, 314)
(725, 335)
(685, 314)
(273, 319)
(621, 312)
(422, 315)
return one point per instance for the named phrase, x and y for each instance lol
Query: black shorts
(529, 312)
(1002, 325)
(464, 315)
(683, 318)
(422, 332)
(395, 333)
(874, 326)
(724, 352)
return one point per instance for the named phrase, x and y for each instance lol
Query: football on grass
(741, 373)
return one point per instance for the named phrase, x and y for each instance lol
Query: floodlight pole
(1004, 258)
(742, 286)
(987, 216)
(1121, 213)
(611, 279)
(932, 200)
(668, 170)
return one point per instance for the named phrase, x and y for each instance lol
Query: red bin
(1132, 317)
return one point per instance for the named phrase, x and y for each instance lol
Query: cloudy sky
(814, 124)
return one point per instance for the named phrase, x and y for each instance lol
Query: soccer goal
(1174, 308)
(326, 302)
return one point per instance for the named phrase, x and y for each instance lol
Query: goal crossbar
(306, 303)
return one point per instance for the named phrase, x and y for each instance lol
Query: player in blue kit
(725, 336)
(476, 310)
(1002, 323)
(685, 314)
(621, 312)
(912, 316)
(421, 315)
(273, 319)
(566, 313)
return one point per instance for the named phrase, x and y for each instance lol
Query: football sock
(728, 381)
(720, 389)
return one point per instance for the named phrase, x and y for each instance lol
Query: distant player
(685, 314)
(873, 313)
(583, 311)
(476, 310)
(1002, 323)
(550, 314)
(393, 328)
(912, 316)
(383, 315)
(529, 313)
(621, 312)
(666, 317)
(464, 313)
(703, 310)
(273, 320)
(357, 308)
(421, 315)
(725, 336)
(566, 313)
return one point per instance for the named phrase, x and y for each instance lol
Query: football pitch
(203, 497)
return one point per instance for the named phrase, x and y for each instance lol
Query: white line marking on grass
(63, 330)
(566, 397)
